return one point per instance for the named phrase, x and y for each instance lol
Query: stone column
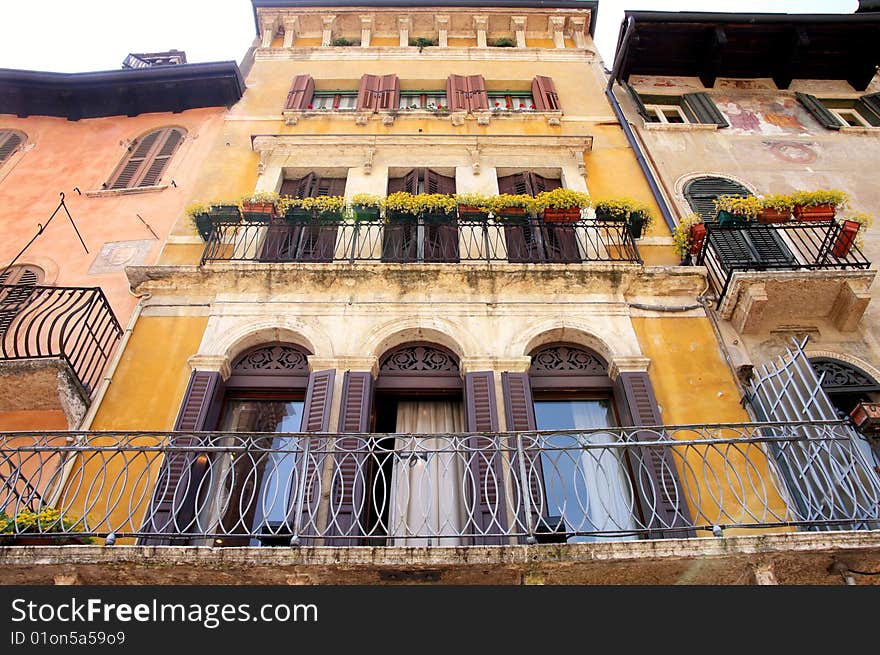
(578, 25)
(327, 35)
(481, 25)
(268, 29)
(555, 26)
(366, 30)
(291, 25)
(442, 23)
(404, 24)
(518, 25)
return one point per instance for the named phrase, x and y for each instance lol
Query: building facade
(382, 390)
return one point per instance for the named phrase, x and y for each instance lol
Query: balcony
(422, 241)
(54, 345)
(778, 274)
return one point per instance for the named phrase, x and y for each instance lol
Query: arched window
(148, 158)
(702, 192)
(846, 385)
(10, 141)
(16, 287)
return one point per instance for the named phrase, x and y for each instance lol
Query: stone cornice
(430, 53)
(280, 144)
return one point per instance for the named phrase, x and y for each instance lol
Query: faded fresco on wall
(767, 115)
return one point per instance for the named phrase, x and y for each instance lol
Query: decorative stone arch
(682, 183)
(419, 365)
(397, 332)
(548, 332)
(856, 362)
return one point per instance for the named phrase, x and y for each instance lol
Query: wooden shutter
(702, 192)
(436, 183)
(819, 111)
(20, 282)
(395, 185)
(544, 94)
(457, 93)
(637, 101)
(148, 159)
(399, 241)
(769, 248)
(389, 98)
(477, 96)
(328, 186)
(489, 513)
(10, 140)
(347, 497)
(560, 244)
(316, 243)
(540, 183)
(441, 242)
(316, 414)
(368, 93)
(704, 109)
(731, 247)
(173, 506)
(521, 239)
(868, 106)
(661, 495)
(302, 92)
(516, 184)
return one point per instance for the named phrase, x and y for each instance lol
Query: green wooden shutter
(702, 192)
(769, 249)
(732, 247)
(869, 107)
(819, 111)
(704, 109)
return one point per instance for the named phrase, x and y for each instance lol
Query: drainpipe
(630, 135)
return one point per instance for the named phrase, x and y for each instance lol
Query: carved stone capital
(481, 25)
(518, 27)
(265, 143)
(215, 363)
(578, 156)
(267, 29)
(578, 26)
(327, 26)
(555, 26)
(497, 364)
(291, 27)
(628, 365)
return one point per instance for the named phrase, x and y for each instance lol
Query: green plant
(342, 41)
(498, 204)
(503, 42)
(747, 207)
(777, 202)
(819, 197)
(561, 199)
(422, 42)
(323, 204)
(478, 200)
(47, 521)
(367, 200)
(259, 197)
(195, 208)
(624, 208)
(681, 236)
(420, 204)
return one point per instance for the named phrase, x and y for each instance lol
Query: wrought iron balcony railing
(422, 241)
(442, 489)
(776, 247)
(76, 324)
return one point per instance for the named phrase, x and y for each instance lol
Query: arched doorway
(845, 384)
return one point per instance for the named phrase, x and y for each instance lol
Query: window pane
(322, 102)
(348, 101)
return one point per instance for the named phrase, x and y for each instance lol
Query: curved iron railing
(74, 323)
(528, 241)
(448, 489)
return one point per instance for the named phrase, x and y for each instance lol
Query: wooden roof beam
(789, 56)
(713, 55)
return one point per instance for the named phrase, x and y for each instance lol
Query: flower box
(698, 235)
(566, 215)
(364, 213)
(866, 417)
(814, 212)
(205, 223)
(297, 215)
(767, 216)
(438, 217)
(258, 211)
(608, 216)
(37, 539)
(513, 213)
(846, 237)
(225, 213)
(471, 213)
(728, 219)
(636, 225)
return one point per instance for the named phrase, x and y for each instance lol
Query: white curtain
(426, 494)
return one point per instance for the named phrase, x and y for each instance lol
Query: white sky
(87, 35)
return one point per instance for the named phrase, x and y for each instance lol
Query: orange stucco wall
(22, 421)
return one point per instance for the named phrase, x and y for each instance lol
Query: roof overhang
(778, 46)
(441, 5)
(120, 92)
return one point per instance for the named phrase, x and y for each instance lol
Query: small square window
(665, 114)
(851, 117)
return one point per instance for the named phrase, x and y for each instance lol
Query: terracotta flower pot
(698, 235)
(567, 215)
(471, 213)
(814, 212)
(845, 239)
(512, 212)
(866, 417)
(767, 216)
(258, 211)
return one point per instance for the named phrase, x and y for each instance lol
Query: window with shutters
(147, 159)
(16, 287)
(421, 239)
(702, 192)
(511, 101)
(688, 108)
(10, 142)
(430, 100)
(841, 113)
(334, 100)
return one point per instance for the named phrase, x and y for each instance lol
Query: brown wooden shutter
(477, 96)
(10, 140)
(516, 184)
(457, 93)
(389, 99)
(148, 159)
(328, 186)
(161, 158)
(173, 510)
(540, 183)
(544, 94)
(316, 418)
(488, 513)
(560, 243)
(442, 242)
(368, 93)
(661, 495)
(347, 497)
(395, 185)
(301, 93)
(436, 183)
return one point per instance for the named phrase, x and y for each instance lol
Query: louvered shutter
(368, 93)
(487, 512)
(661, 496)
(302, 92)
(702, 192)
(516, 184)
(544, 94)
(395, 185)
(704, 109)
(173, 507)
(560, 243)
(521, 239)
(19, 284)
(316, 418)
(399, 241)
(457, 93)
(519, 410)
(436, 183)
(637, 100)
(441, 242)
(389, 98)
(347, 496)
(161, 158)
(299, 188)
(868, 106)
(477, 97)
(819, 111)
(328, 186)
(769, 248)
(133, 164)
(731, 246)
(540, 183)
(10, 140)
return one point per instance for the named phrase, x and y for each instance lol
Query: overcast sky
(68, 36)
